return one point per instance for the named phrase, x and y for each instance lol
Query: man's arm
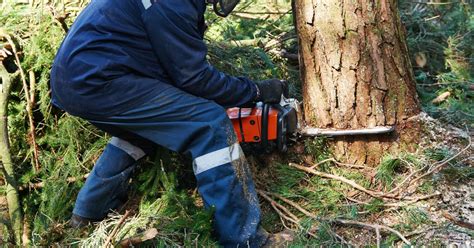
(172, 26)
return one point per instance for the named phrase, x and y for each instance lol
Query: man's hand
(271, 90)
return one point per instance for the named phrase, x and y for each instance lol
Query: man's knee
(119, 155)
(133, 151)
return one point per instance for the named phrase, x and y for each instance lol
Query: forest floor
(426, 194)
(445, 219)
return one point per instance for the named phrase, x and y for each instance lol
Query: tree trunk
(356, 73)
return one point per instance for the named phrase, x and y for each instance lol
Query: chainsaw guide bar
(311, 131)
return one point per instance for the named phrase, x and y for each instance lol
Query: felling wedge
(273, 124)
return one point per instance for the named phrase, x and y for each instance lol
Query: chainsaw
(274, 124)
(266, 123)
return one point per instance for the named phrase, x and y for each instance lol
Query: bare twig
(26, 241)
(40, 185)
(354, 166)
(291, 216)
(60, 19)
(115, 230)
(339, 178)
(400, 203)
(291, 203)
(322, 162)
(375, 194)
(138, 239)
(377, 233)
(418, 232)
(458, 222)
(377, 227)
(413, 200)
(282, 215)
(373, 226)
(439, 165)
(407, 179)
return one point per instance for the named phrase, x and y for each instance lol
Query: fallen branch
(377, 234)
(26, 240)
(354, 166)
(29, 103)
(291, 203)
(401, 203)
(413, 200)
(377, 227)
(6, 166)
(439, 99)
(289, 215)
(60, 19)
(458, 222)
(115, 230)
(40, 185)
(138, 239)
(375, 194)
(394, 190)
(439, 165)
(338, 178)
(373, 226)
(292, 218)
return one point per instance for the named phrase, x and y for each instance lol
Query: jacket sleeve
(172, 27)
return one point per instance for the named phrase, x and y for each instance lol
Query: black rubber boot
(77, 221)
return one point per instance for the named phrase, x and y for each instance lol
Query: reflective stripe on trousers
(191, 125)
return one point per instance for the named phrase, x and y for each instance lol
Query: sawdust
(241, 166)
(438, 134)
(242, 172)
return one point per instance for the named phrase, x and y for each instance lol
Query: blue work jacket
(119, 53)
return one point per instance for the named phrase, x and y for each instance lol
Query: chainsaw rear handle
(286, 124)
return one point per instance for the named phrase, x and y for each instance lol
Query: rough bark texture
(356, 73)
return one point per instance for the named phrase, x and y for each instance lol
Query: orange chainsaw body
(247, 125)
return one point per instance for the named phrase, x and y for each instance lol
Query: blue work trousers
(188, 124)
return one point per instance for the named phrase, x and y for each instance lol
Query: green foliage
(387, 170)
(229, 52)
(324, 236)
(287, 178)
(443, 35)
(458, 173)
(426, 187)
(318, 148)
(437, 154)
(172, 212)
(374, 206)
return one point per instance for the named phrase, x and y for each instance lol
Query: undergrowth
(440, 39)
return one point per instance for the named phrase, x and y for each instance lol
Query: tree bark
(6, 166)
(356, 73)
